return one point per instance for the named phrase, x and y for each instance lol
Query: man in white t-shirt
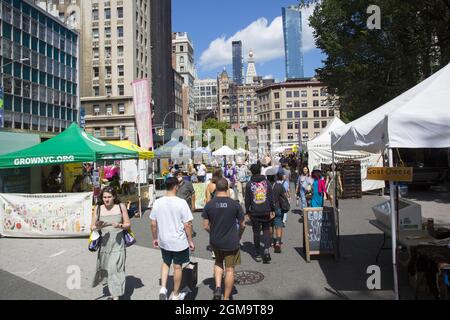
(172, 232)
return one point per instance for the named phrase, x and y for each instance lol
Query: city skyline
(259, 27)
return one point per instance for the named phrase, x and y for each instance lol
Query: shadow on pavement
(131, 284)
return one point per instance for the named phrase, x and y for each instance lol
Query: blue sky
(212, 25)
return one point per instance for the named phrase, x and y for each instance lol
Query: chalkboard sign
(319, 235)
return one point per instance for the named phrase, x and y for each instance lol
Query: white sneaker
(213, 255)
(180, 296)
(163, 294)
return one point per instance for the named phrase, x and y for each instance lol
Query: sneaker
(217, 294)
(266, 258)
(277, 248)
(163, 294)
(180, 296)
(213, 255)
(258, 257)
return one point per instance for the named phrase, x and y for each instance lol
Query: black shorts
(178, 257)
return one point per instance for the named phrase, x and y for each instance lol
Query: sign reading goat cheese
(390, 173)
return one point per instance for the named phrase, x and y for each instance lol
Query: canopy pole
(393, 227)
(335, 207)
(139, 188)
(154, 181)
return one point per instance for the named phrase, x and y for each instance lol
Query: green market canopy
(71, 146)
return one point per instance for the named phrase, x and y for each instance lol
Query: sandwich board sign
(319, 233)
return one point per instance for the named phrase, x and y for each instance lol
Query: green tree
(366, 68)
(212, 123)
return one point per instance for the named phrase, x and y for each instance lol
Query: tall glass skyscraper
(293, 48)
(238, 66)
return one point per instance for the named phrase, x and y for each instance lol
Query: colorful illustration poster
(53, 215)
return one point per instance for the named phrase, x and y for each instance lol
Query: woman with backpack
(282, 206)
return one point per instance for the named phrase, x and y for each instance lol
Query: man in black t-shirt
(224, 220)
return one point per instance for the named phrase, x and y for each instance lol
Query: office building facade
(39, 68)
(238, 65)
(205, 98)
(291, 112)
(293, 45)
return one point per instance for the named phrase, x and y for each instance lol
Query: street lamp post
(164, 123)
(18, 60)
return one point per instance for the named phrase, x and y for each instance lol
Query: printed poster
(53, 215)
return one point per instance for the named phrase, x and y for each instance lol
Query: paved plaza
(45, 268)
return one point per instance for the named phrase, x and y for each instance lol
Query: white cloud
(265, 39)
(268, 77)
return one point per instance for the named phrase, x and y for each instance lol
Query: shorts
(278, 221)
(231, 258)
(178, 257)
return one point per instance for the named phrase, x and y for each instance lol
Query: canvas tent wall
(319, 152)
(418, 118)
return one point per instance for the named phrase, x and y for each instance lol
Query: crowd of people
(237, 195)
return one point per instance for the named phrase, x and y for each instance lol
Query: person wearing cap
(230, 175)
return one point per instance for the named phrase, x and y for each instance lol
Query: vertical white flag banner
(143, 112)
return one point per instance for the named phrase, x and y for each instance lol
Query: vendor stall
(71, 146)
(418, 118)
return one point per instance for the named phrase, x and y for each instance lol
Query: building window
(108, 52)
(107, 13)
(95, 53)
(120, 32)
(316, 124)
(182, 69)
(120, 70)
(296, 104)
(276, 95)
(277, 115)
(324, 92)
(120, 51)
(119, 12)
(324, 124)
(304, 93)
(290, 125)
(181, 48)
(316, 113)
(121, 90)
(109, 109)
(96, 91)
(108, 90)
(108, 71)
(110, 131)
(304, 104)
(96, 72)
(289, 114)
(289, 104)
(96, 109)
(331, 113)
(305, 125)
(277, 105)
(121, 108)
(95, 14)
(323, 113)
(290, 136)
(108, 32)
(277, 126)
(95, 33)
(296, 94)
(297, 114)
(305, 136)
(315, 103)
(315, 93)
(304, 114)
(288, 94)
(181, 59)
(97, 132)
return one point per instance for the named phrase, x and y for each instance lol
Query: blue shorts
(179, 257)
(278, 221)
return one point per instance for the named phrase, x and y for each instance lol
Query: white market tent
(319, 151)
(418, 118)
(224, 151)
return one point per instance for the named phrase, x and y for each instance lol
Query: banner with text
(143, 112)
(55, 215)
(318, 156)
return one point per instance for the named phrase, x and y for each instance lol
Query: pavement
(63, 268)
